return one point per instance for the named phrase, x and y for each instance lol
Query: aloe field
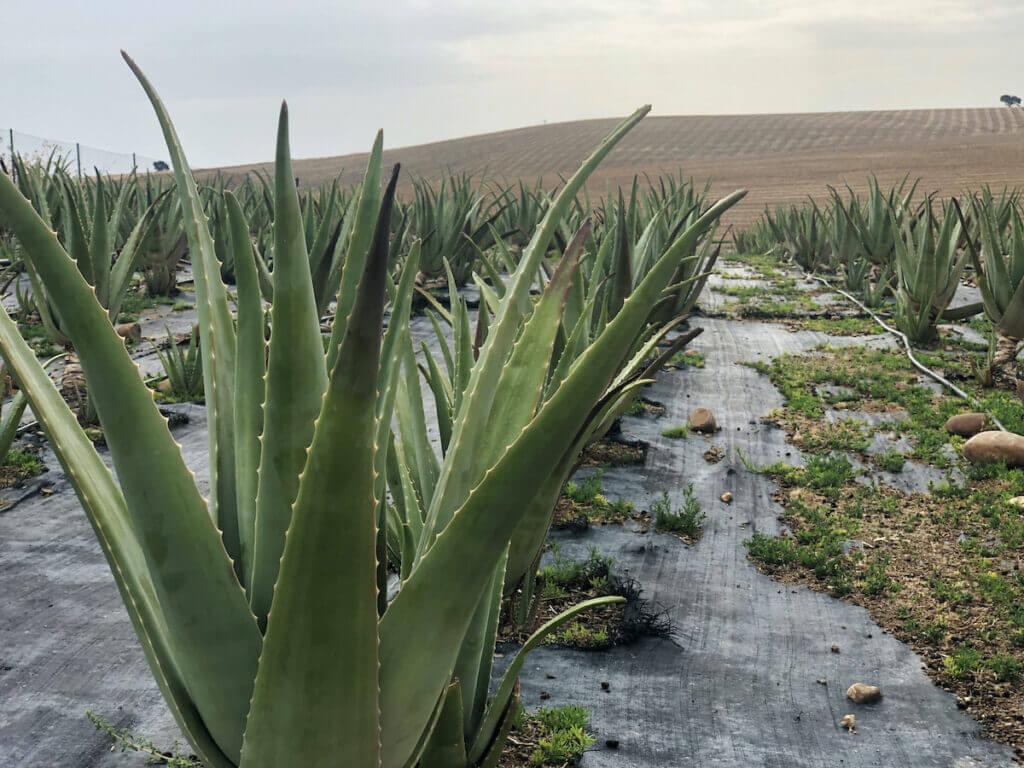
(581, 460)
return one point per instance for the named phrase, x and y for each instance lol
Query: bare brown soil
(778, 158)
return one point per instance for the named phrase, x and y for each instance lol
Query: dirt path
(737, 685)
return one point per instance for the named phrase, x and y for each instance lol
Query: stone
(129, 331)
(727, 497)
(966, 424)
(993, 446)
(849, 722)
(703, 420)
(714, 454)
(1017, 501)
(862, 693)
(164, 386)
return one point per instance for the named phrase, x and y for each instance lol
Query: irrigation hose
(910, 353)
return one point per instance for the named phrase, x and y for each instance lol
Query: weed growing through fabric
(677, 432)
(688, 358)
(891, 460)
(686, 520)
(564, 736)
(135, 304)
(124, 740)
(24, 463)
(825, 474)
(585, 502)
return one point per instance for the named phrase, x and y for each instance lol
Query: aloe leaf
(461, 470)
(250, 369)
(296, 380)
(412, 425)
(521, 385)
(127, 260)
(358, 247)
(446, 747)
(216, 328)
(390, 370)
(212, 636)
(100, 246)
(316, 688)
(441, 389)
(108, 514)
(477, 658)
(506, 688)
(11, 419)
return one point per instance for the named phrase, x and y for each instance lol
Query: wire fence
(76, 157)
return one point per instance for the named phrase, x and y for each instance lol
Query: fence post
(135, 165)
(78, 156)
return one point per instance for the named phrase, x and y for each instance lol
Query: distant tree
(160, 165)
(1010, 101)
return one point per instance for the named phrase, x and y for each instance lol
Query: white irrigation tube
(910, 353)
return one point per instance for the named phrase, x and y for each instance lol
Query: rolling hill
(779, 158)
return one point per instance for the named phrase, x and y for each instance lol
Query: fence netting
(74, 156)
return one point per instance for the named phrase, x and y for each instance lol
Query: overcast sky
(428, 70)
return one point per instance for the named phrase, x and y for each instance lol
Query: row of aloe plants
(896, 249)
(267, 612)
(453, 223)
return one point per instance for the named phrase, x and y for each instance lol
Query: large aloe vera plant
(263, 611)
(929, 263)
(998, 259)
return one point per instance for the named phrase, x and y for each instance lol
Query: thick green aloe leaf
(78, 240)
(522, 380)
(485, 651)
(250, 369)
(216, 328)
(446, 747)
(391, 365)
(412, 421)
(460, 470)
(506, 688)
(315, 701)
(127, 260)
(105, 507)
(296, 379)
(358, 247)
(9, 427)
(211, 633)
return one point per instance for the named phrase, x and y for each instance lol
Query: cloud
(427, 69)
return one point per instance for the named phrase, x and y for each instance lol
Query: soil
(779, 158)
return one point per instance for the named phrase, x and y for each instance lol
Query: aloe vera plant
(802, 232)
(88, 220)
(452, 222)
(929, 264)
(998, 259)
(183, 368)
(268, 628)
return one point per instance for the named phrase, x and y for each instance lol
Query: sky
(426, 70)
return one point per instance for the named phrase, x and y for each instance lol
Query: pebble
(862, 693)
